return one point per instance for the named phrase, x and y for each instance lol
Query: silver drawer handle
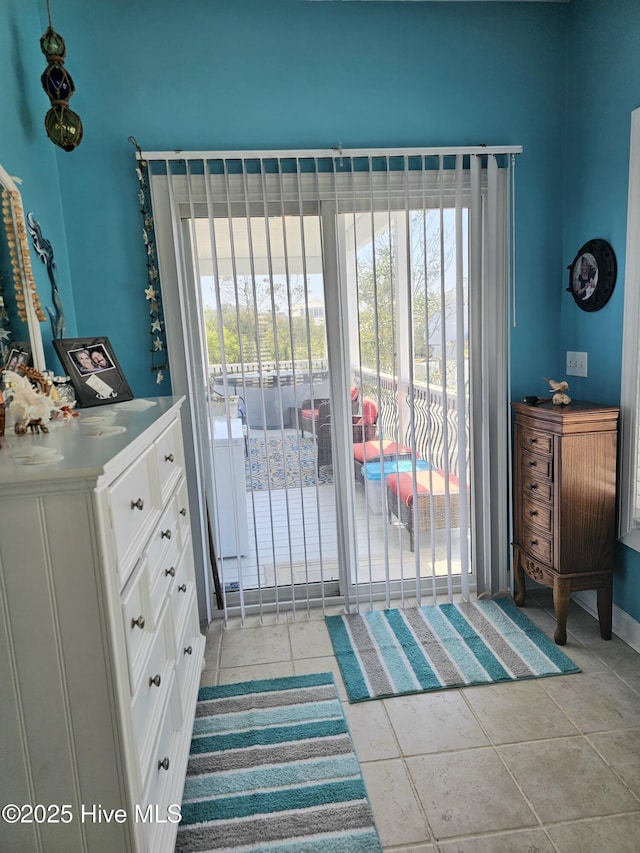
(168, 457)
(170, 572)
(139, 504)
(532, 464)
(533, 441)
(139, 622)
(155, 680)
(533, 485)
(164, 764)
(187, 651)
(183, 511)
(533, 542)
(182, 587)
(165, 534)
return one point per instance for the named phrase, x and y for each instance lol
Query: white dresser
(100, 644)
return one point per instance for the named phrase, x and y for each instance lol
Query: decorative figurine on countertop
(31, 406)
(560, 397)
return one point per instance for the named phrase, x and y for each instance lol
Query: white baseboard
(624, 626)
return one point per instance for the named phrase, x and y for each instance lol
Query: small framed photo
(95, 374)
(20, 353)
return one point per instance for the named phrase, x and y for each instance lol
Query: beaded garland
(13, 217)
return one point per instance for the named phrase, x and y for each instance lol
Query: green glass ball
(64, 127)
(52, 45)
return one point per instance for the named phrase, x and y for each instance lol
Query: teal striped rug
(392, 652)
(272, 768)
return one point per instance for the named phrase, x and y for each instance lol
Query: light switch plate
(577, 364)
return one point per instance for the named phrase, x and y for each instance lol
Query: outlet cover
(577, 364)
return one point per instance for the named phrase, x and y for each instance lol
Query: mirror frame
(16, 229)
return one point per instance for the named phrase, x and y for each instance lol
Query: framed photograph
(19, 353)
(95, 374)
(592, 275)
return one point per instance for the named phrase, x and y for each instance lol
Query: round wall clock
(592, 275)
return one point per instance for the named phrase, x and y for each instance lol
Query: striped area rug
(272, 768)
(394, 652)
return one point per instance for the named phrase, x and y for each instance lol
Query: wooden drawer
(134, 509)
(138, 622)
(536, 543)
(538, 489)
(536, 441)
(539, 466)
(169, 458)
(151, 693)
(537, 513)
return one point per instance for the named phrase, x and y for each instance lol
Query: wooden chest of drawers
(564, 480)
(100, 644)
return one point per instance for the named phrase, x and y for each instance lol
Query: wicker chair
(400, 501)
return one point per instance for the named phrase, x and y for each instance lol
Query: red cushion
(310, 414)
(427, 482)
(369, 411)
(370, 451)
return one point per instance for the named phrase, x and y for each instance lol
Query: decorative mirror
(592, 275)
(23, 303)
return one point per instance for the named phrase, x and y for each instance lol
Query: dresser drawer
(539, 489)
(187, 650)
(160, 780)
(539, 466)
(182, 591)
(138, 622)
(150, 697)
(134, 510)
(182, 508)
(536, 543)
(538, 513)
(162, 578)
(538, 442)
(169, 458)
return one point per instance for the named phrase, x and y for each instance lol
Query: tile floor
(551, 764)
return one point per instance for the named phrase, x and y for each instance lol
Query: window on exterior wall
(630, 391)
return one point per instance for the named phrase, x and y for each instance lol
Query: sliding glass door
(338, 318)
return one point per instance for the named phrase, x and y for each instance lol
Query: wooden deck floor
(293, 540)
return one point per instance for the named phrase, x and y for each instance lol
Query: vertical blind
(366, 278)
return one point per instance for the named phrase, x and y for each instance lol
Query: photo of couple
(90, 360)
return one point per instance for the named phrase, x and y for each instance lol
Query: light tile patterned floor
(546, 765)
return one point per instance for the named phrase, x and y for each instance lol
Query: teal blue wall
(603, 87)
(26, 153)
(289, 73)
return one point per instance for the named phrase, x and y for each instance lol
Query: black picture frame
(20, 353)
(592, 275)
(93, 368)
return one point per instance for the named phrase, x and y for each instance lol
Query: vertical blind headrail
(329, 153)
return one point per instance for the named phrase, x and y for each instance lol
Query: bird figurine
(560, 397)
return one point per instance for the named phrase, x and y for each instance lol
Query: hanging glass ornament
(63, 125)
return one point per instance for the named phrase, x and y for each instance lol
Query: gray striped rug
(392, 652)
(272, 768)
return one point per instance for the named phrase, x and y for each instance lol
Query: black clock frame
(592, 275)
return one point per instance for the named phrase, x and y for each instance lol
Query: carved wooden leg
(518, 575)
(561, 595)
(605, 603)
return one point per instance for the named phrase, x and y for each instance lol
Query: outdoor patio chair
(431, 488)
(373, 449)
